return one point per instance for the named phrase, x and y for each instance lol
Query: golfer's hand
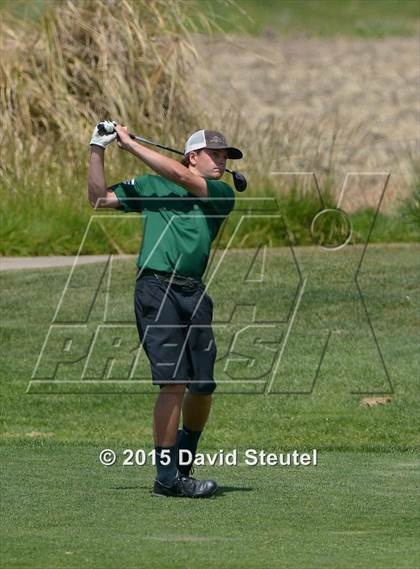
(103, 134)
(123, 138)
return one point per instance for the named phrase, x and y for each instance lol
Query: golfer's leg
(166, 414)
(165, 425)
(201, 352)
(195, 410)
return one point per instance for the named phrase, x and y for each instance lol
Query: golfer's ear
(193, 157)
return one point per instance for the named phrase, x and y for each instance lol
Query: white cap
(211, 139)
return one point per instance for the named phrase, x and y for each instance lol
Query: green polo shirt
(178, 227)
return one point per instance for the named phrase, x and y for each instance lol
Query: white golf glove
(103, 134)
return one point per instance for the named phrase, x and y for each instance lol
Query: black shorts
(174, 325)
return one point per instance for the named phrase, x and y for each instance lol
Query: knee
(177, 390)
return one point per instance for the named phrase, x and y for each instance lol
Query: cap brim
(232, 152)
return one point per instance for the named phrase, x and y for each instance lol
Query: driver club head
(239, 181)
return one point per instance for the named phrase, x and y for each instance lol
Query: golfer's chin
(216, 174)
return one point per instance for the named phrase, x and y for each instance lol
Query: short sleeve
(139, 193)
(221, 197)
(129, 193)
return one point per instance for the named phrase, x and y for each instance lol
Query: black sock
(187, 440)
(166, 470)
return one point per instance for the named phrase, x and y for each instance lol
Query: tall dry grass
(83, 61)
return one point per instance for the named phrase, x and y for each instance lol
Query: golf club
(239, 180)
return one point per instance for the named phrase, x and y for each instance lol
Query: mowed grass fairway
(65, 510)
(357, 508)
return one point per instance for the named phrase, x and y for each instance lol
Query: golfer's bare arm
(98, 193)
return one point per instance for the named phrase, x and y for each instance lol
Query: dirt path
(346, 104)
(16, 263)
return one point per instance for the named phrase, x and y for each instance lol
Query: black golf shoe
(186, 487)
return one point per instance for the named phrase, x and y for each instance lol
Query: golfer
(183, 205)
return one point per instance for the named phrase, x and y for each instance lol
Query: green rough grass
(28, 9)
(63, 510)
(46, 224)
(410, 208)
(329, 416)
(324, 18)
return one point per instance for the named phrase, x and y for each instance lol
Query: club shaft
(145, 141)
